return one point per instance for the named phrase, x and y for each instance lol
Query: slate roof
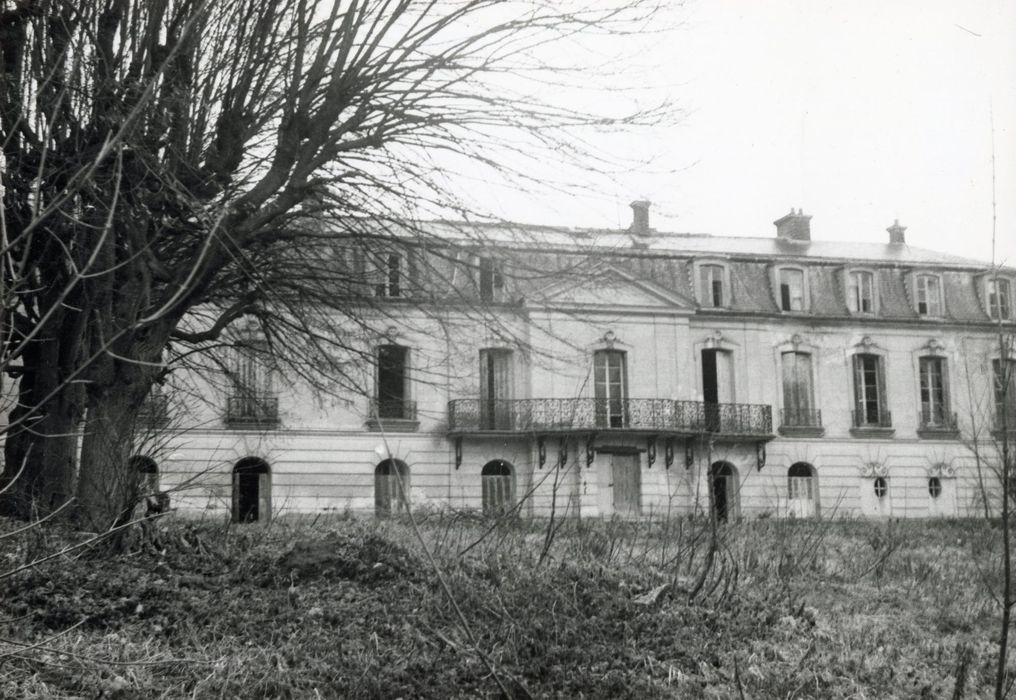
(699, 244)
(535, 254)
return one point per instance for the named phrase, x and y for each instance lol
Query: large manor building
(627, 373)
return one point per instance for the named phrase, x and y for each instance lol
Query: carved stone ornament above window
(796, 340)
(867, 342)
(942, 470)
(935, 346)
(871, 470)
(609, 338)
(392, 333)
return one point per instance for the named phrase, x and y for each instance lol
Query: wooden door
(626, 484)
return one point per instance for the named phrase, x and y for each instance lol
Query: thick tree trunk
(107, 485)
(42, 442)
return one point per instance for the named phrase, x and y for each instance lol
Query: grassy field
(356, 608)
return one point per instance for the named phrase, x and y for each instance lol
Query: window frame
(850, 272)
(606, 415)
(490, 278)
(998, 380)
(796, 405)
(880, 485)
(778, 285)
(921, 282)
(861, 399)
(926, 403)
(991, 298)
(708, 301)
(404, 412)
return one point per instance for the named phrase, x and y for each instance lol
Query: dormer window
(711, 290)
(391, 276)
(929, 295)
(791, 287)
(861, 292)
(491, 280)
(999, 299)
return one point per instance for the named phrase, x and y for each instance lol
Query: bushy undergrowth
(348, 608)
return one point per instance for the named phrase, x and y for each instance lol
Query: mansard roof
(699, 244)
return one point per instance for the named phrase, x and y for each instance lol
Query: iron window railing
(801, 417)
(872, 419)
(252, 409)
(938, 419)
(393, 409)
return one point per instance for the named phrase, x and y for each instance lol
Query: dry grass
(788, 609)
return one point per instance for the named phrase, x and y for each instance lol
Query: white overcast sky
(857, 112)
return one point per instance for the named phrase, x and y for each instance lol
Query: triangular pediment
(607, 288)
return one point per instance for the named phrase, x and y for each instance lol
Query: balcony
(870, 423)
(395, 415)
(252, 411)
(801, 422)
(646, 416)
(937, 423)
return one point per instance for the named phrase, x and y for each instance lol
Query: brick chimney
(640, 218)
(896, 233)
(795, 226)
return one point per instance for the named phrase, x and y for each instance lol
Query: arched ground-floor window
(723, 482)
(498, 478)
(391, 487)
(252, 490)
(147, 473)
(801, 490)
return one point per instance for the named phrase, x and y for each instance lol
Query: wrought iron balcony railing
(392, 409)
(249, 410)
(738, 418)
(938, 419)
(801, 418)
(872, 419)
(588, 414)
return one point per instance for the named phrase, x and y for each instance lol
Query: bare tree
(173, 167)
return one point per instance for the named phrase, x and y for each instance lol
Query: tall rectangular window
(797, 390)
(999, 296)
(711, 277)
(392, 384)
(869, 392)
(1004, 376)
(934, 393)
(861, 292)
(390, 272)
(491, 280)
(253, 399)
(792, 290)
(610, 387)
(496, 389)
(929, 296)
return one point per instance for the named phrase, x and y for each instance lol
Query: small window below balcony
(498, 485)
